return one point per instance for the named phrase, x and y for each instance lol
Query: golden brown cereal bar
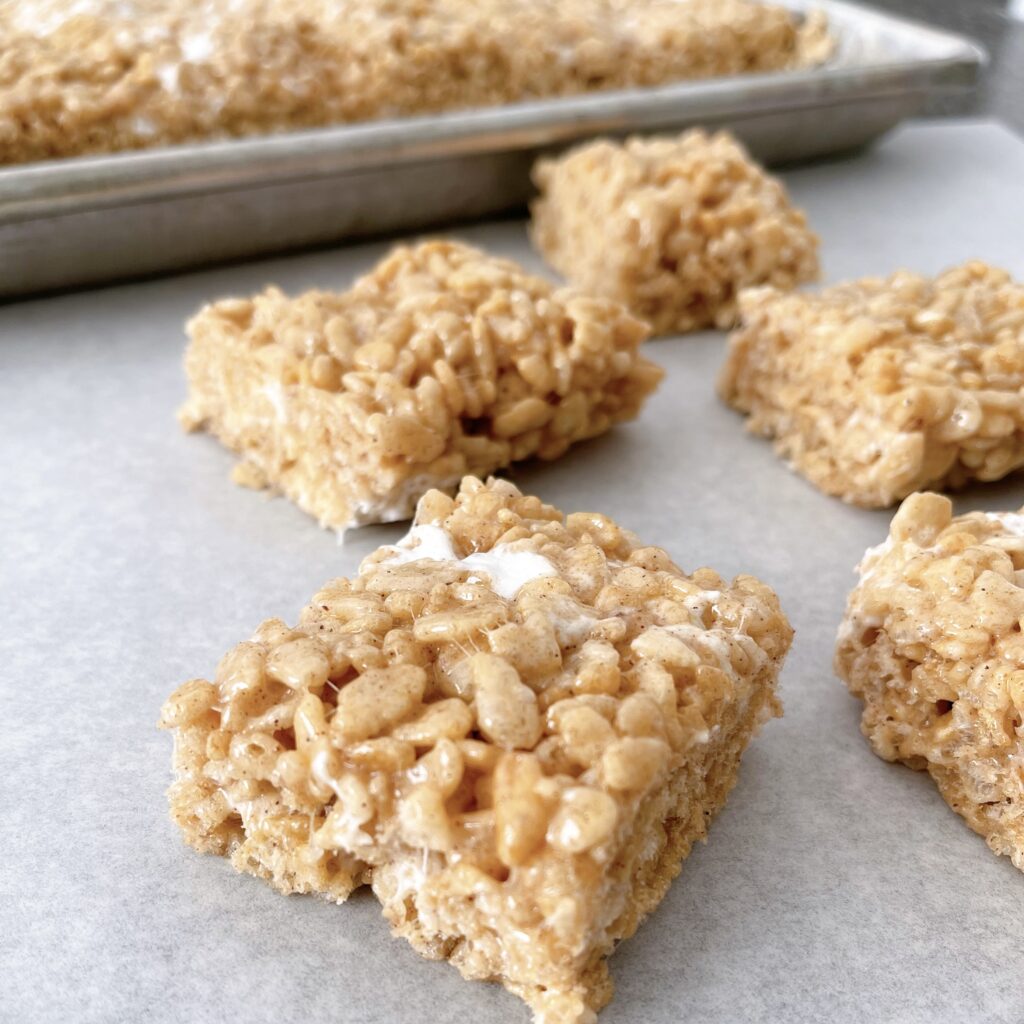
(878, 388)
(671, 227)
(932, 644)
(106, 75)
(513, 725)
(442, 361)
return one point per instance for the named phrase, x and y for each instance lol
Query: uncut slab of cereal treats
(671, 227)
(932, 644)
(441, 361)
(104, 75)
(881, 387)
(513, 725)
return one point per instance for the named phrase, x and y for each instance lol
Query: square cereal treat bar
(513, 725)
(932, 644)
(671, 227)
(442, 361)
(103, 75)
(878, 388)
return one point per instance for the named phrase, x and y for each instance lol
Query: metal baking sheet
(92, 219)
(834, 888)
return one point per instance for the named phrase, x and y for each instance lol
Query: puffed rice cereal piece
(442, 361)
(512, 725)
(106, 75)
(932, 643)
(671, 227)
(881, 387)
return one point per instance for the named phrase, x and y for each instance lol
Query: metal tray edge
(55, 188)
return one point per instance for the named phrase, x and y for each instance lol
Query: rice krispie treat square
(671, 227)
(442, 361)
(878, 388)
(512, 725)
(932, 644)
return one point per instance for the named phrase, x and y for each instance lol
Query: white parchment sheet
(834, 887)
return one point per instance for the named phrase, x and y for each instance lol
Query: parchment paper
(834, 887)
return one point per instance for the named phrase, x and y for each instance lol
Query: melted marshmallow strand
(1012, 522)
(507, 569)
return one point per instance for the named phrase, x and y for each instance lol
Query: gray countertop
(834, 887)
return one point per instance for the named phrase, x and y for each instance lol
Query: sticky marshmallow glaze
(506, 569)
